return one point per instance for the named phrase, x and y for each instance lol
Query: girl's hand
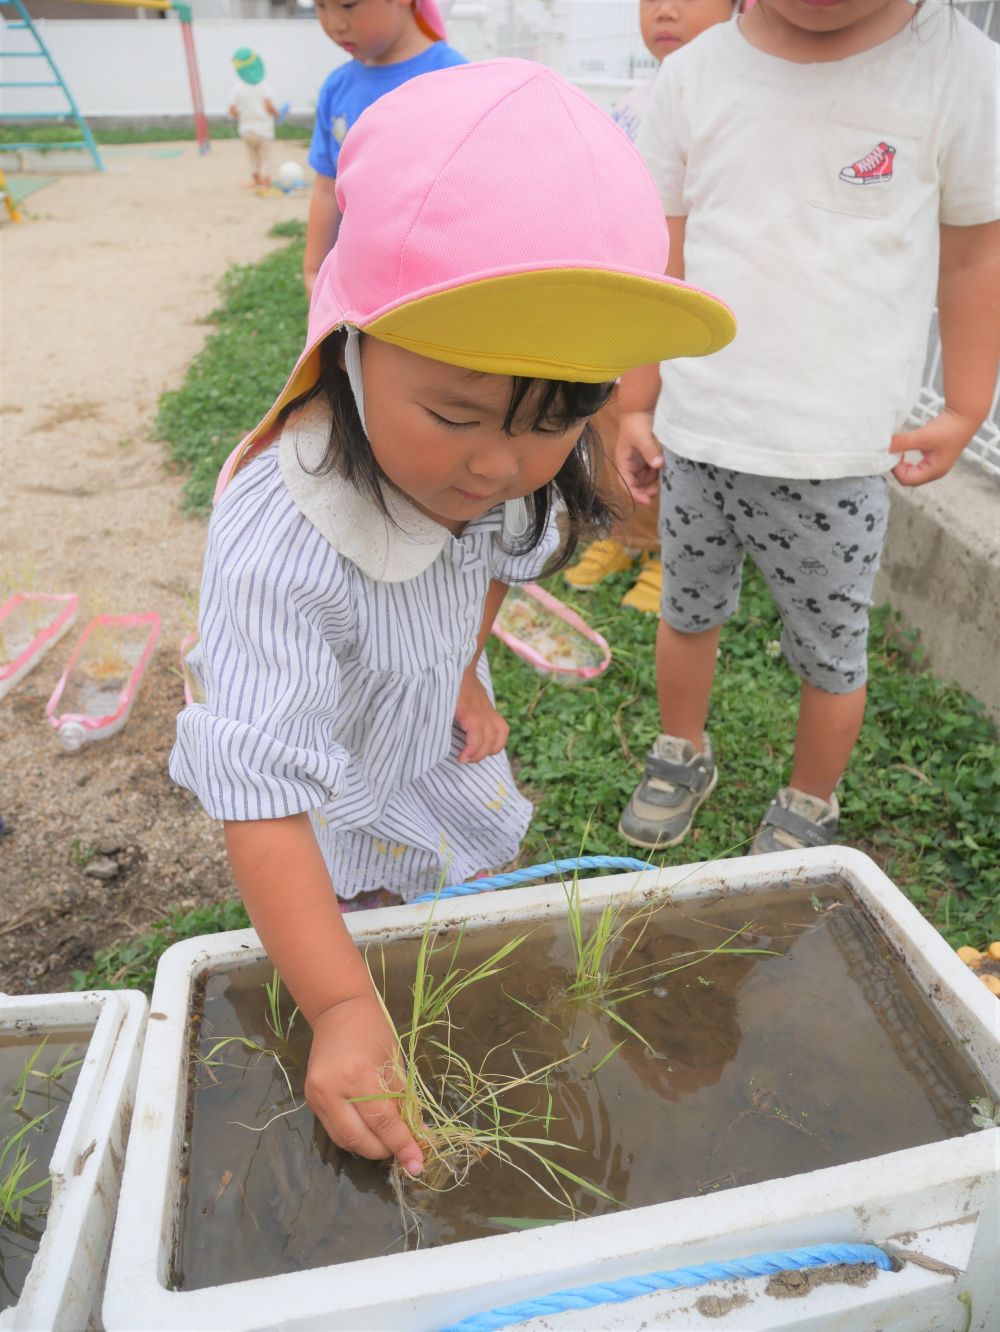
(638, 456)
(939, 442)
(354, 1055)
(485, 730)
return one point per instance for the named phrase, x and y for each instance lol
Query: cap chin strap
(515, 511)
(352, 364)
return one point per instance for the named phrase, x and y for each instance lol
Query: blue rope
(630, 1288)
(533, 872)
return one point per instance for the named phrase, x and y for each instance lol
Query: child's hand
(639, 456)
(939, 442)
(353, 1056)
(485, 730)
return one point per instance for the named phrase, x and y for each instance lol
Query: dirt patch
(107, 285)
(716, 1306)
(793, 1285)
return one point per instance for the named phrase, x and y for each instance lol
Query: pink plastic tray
(77, 728)
(53, 614)
(549, 636)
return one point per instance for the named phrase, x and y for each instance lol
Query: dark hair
(552, 402)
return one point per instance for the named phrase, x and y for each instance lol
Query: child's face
(668, 24)
(436, 432)
(372, 31)
(822, 16)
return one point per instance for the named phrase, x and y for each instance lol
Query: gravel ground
(107, 284)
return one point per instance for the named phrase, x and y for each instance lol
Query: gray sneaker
(794, 821)
(677, 779)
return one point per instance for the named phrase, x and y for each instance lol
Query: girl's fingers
(349, 1131)
(384, 1122)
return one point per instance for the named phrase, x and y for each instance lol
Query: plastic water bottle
(98, 688)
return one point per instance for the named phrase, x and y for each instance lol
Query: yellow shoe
(599, 561)
(644, 594)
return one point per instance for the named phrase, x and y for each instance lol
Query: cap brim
(601, 323)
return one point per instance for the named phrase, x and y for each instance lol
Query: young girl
(499, 265)
(832, 164)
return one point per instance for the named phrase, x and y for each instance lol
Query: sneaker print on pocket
(875, 168)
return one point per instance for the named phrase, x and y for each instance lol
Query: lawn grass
(922, 794)
(44, 137)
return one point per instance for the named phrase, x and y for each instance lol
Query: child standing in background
(368, 527)
(666, 26)
(831, 165)
(389, 42)
(252, 107)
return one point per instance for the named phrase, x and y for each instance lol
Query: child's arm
(485, 730)
(286, 888)
(232, 111)
(969, 321)
(321, 232)
(271, 109)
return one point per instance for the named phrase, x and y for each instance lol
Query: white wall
(135, 67)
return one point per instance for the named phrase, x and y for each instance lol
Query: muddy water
(750, 1067)
(19, 1240)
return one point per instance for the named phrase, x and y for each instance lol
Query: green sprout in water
(601, 975)
(281, 1029)
(15, 1162)
(51, 1077)
(209, 1060)
(460, 1114)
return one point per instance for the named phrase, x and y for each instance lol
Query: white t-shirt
(251, 114)
(813, 196)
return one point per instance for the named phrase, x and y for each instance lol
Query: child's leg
(829, 726)
(818, 545)
(252, 142)
(685, 669)
(264, 162)
(702, 564)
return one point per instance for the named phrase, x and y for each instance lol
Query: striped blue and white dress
(332, 648)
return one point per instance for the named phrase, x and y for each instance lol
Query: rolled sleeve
(261, 746)
(525, 568)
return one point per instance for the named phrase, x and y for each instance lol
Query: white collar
(387, 549)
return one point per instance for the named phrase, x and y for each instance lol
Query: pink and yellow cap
(495, 218)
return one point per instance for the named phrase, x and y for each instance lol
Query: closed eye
(450, 425)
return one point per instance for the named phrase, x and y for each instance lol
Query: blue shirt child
(352, 87)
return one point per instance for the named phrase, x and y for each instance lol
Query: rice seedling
(50, 1077)
(460, 1114)
(15, 1163)
(209, 1060)
(272, 1016)
(602, 977)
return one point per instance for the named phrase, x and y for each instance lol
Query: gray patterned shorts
(817, 544)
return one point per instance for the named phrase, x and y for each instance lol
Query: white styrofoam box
(939, 1201)
(66, 1282)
